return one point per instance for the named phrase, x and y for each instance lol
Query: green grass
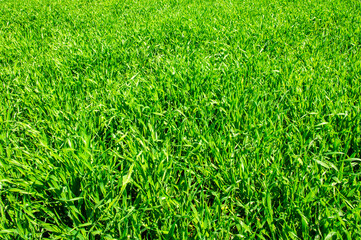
(180, 119)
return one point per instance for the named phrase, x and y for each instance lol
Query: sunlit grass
(180, 119)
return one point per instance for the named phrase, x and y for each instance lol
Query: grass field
(180, 119)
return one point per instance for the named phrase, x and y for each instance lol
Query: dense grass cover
(183, 119)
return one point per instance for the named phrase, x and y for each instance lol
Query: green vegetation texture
(189, 119)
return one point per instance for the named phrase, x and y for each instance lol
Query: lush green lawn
(183, 119)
